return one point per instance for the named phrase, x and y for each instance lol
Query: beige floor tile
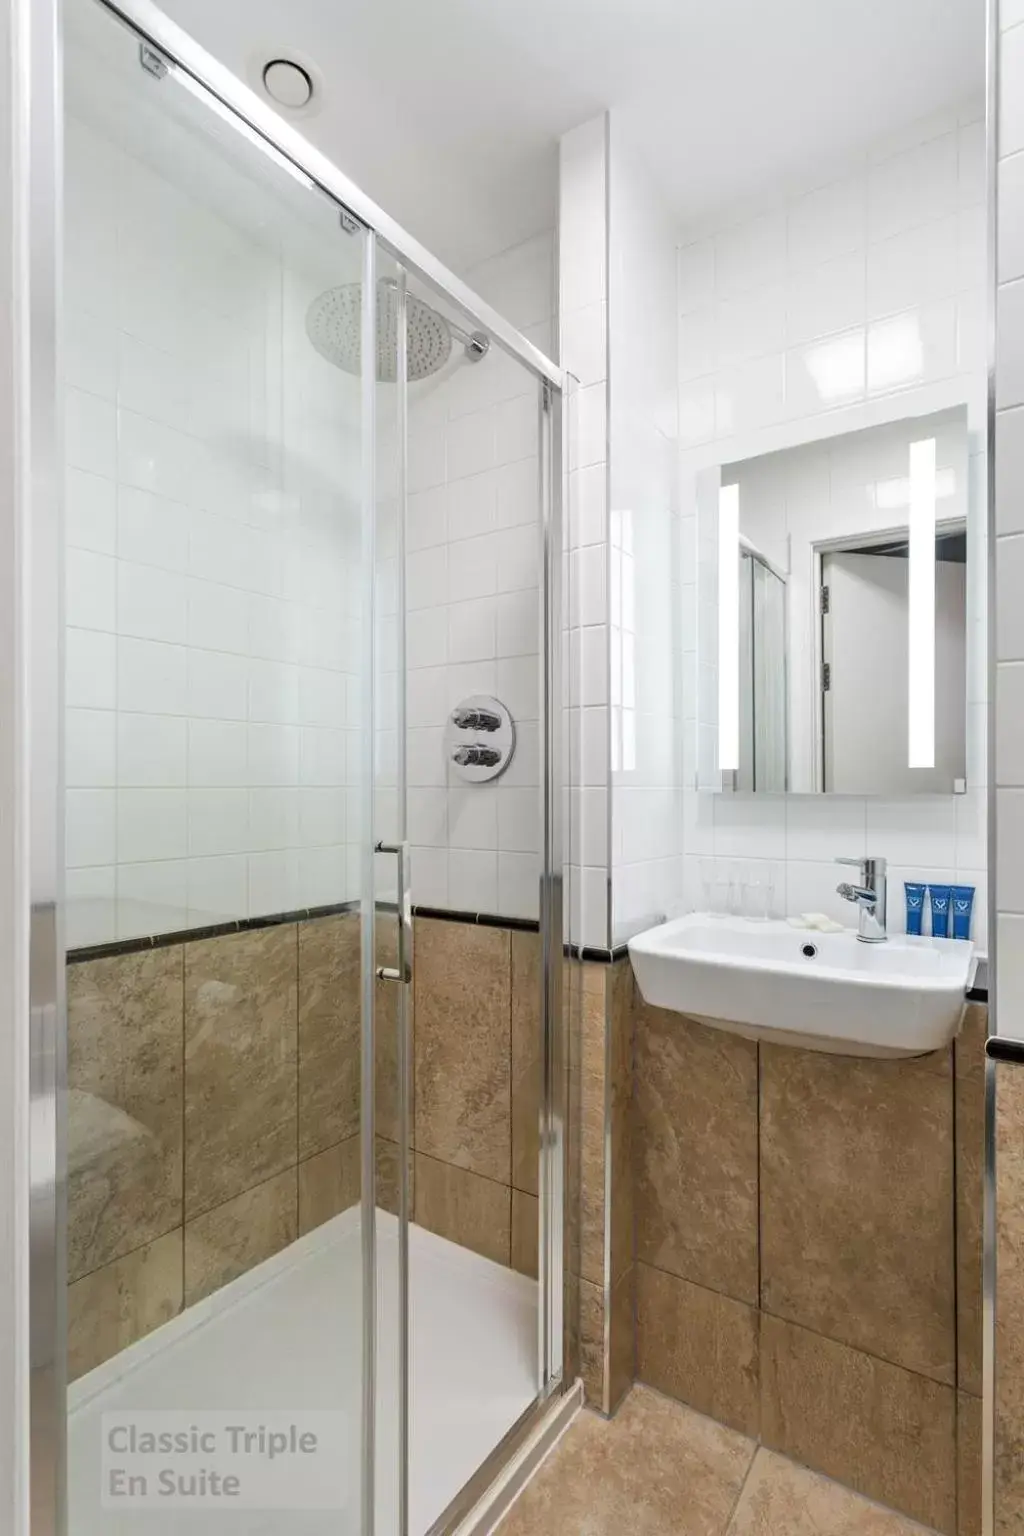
(781, 1498)
(656, 1469)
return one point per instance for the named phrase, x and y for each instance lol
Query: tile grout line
(727, 1527)
(804, 1328)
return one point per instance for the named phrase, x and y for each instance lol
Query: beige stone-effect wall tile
(330, 1011)
(621, 1339)
(882, 1430)
(525, 1233)
(592, 1345)
(1009, 1341)
(700, 1347)
(463, 1047)
(593, 1087)
(526, 1060)
(464, 1207)
(620, 1119)
(969, 1057)
(696, 1152)
(328, 1184)
(114, 1306)
(235, 1237)
(241, 1028)
(857, 1230)
(969, 1492)
(124, 1131)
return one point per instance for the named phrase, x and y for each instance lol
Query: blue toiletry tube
(962, 901)
(915, 905)
(939, 898)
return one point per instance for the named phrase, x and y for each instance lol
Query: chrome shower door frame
(45, 1037)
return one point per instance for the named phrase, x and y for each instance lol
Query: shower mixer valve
(479, 739)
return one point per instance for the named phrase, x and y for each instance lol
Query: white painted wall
(857, 302)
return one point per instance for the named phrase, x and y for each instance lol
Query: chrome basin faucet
(869, 897)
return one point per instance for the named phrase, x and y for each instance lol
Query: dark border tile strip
(596, 956)
(307, 914)
(481, 919)
(210, 931)
(1000, 1048)
(977, 994)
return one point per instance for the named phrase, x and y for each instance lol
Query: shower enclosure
(310, 1213)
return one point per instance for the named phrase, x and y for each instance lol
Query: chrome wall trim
(404, 903)
(37, 732)
(552, 1173)
(148, 20)
(549, 1423)
(989, 1161)
(368, 894)
(485, 1479)
(988, 1305)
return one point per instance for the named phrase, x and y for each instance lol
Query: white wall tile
(1011, 91)
(472, 880)
(921, 830)
(1010, 345)
(90, 837)
(90, 669)
(90, 434)
(151, 824)
(1009, 721)
(828, 222)
(91, 748)
(1010, 471)
(1010, 840)
(91, 584)
(90, 512)
(151, 750)
(825, 298)
(1011, 218)
(750, 254)
(472, 630)
(1009, 609)
(912, 187)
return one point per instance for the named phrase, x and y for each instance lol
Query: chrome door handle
(403, 971)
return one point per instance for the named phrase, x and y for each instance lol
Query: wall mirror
(837, 622)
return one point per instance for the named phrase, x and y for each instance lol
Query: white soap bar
(815, 919)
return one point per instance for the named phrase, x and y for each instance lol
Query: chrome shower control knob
(479, 739)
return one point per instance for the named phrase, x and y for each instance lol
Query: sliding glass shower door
(312, 879)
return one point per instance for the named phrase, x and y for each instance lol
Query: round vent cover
(288, 84)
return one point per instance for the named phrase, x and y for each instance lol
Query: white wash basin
(826, 991)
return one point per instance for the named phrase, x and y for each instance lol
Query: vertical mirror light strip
(728, 628)
(921, 608)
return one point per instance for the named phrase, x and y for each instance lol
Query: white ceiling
(448, 112)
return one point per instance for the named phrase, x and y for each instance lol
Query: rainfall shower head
(334, 326)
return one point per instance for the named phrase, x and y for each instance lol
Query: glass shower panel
(475, 690)
(218, 723)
